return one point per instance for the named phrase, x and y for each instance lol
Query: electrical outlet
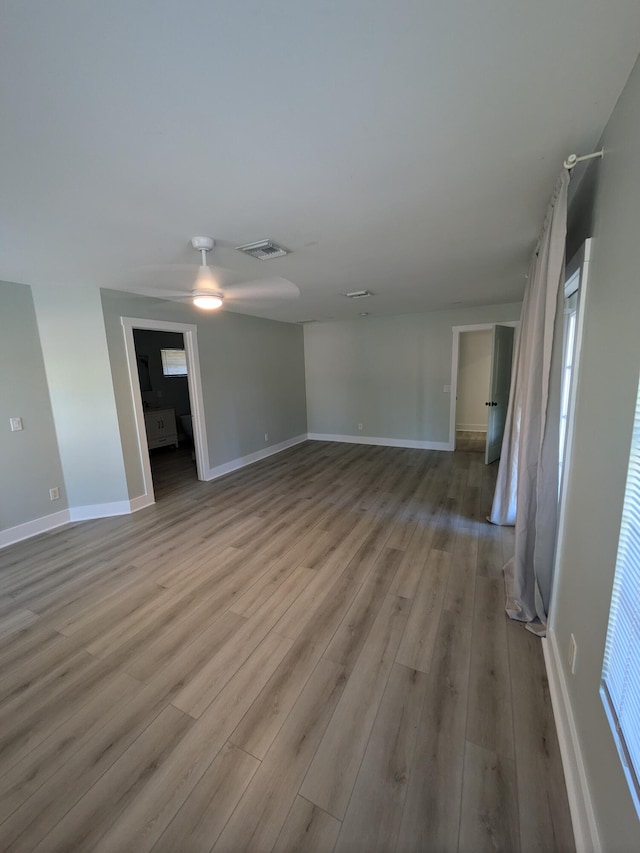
(360, 427)
(54, 493)
(266, 436)
(16, 424)
(573, 651)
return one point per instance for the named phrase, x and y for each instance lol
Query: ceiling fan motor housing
(202, 244)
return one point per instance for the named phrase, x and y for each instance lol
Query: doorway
(166, 387)
(472, 413)
(481, 379)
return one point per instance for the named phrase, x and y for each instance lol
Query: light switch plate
(16, 424)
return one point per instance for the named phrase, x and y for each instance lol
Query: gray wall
(604, 417)
(387, 373)
(252, 378)
(29, 459)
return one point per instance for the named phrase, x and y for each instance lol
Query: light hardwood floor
(310, 654)
(471, 441)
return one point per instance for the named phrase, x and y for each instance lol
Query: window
(174, 362)
(571, 292)
(576, 285)
(620, 687)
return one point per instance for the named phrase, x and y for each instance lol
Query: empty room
(314, 318)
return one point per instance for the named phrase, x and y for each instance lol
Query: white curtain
(527, 486)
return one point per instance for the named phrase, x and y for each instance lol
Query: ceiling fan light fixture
(207, 300)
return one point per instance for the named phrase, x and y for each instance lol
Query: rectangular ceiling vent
(358, 294)
(263, 250)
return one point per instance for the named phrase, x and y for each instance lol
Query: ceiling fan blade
(159, 293)
(155, 268)
(150, 269)
(263, 288)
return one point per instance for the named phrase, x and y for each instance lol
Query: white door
(499, 384)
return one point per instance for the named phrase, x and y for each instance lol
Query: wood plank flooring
(471, 441)
(310, 654)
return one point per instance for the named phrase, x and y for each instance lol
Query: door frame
(190, 337)
(455, 355)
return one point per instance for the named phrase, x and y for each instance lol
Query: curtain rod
(572, 159)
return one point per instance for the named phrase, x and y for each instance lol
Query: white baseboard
(78, 513)
(585, 829)
(242, 461)
(140, 503)
(106, 510)
(383, 442)
(472, 427)
(33, 528)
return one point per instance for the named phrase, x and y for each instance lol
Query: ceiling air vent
(358, 294)
(263, 250)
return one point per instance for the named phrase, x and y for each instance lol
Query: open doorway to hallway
(164, 388)
(474, 366)
(481, 380)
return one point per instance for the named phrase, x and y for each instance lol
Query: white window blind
(174, 362)
(621, 670)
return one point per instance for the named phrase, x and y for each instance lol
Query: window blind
(621, 670)
(174, 362)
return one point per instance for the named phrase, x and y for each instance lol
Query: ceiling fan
(215, 286)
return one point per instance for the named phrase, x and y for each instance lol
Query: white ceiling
(408, 146)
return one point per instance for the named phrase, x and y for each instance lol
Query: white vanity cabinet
(161, 427)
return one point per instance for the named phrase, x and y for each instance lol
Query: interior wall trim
(189, 333)
(472, 427)
(383, 442)
(33, 528)
(79, 513)
(141, 502)
(249, 459)
(105, 510)
(583, 819)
